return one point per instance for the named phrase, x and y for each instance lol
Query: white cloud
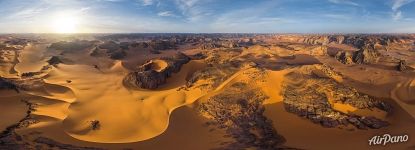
(27, 13)
(147, 2)
(337, 16)
(399, 3)
(348, 2)
(193, 10)
(165, 14)
(396, 5)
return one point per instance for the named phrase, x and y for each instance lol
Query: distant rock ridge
(147, 77)
(366, 55)
(356, 40)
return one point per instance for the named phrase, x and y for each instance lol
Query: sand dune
(13, 109)
(31, 58)
(405, 91)
(404, 95)
(98, 98)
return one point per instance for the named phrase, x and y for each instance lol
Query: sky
(207, 16)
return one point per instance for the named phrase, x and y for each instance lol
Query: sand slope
(124, 115)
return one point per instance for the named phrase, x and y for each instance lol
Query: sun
(66, 24)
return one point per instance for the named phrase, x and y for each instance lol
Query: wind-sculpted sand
(31, 58)
(404, 95)
(124, 115)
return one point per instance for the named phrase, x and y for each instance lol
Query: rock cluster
(218, 44)
(240, 113)
(311, 101)
(344, 57)
(161, 44)
(112, 49)
(148, 78)
(366, 55)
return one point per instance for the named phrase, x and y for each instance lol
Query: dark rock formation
(95, 124)
(8, 84)
(161, 44)
(110, 46)
(344, 57)
(402, 66)
(239, 111)
(147, 78)
(311, 102)
(54, 60)
(119, 54)
(366, 55)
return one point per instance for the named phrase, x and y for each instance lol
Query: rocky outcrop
(54, 60)
(239, 111)
(218, 44)
(8, 84)
(311, 101)
(113, 50)
(161, 44)
(402, 66)
(319, 51)
(149, 78)
(366, 55)
(344, 57)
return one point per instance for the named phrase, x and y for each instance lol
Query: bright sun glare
(66, 24)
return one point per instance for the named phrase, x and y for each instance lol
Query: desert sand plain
(206, 91)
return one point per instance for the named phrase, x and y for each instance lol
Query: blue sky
(277, 16)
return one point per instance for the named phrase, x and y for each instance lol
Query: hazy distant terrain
(205, 91)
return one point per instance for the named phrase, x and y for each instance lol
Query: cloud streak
(348, 2)
(396, 5)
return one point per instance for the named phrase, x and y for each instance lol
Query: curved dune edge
(404, 95)
(405, 92)
(125, 116)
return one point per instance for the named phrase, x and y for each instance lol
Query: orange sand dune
(124, 115)
(31, 58)
(12, 108)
